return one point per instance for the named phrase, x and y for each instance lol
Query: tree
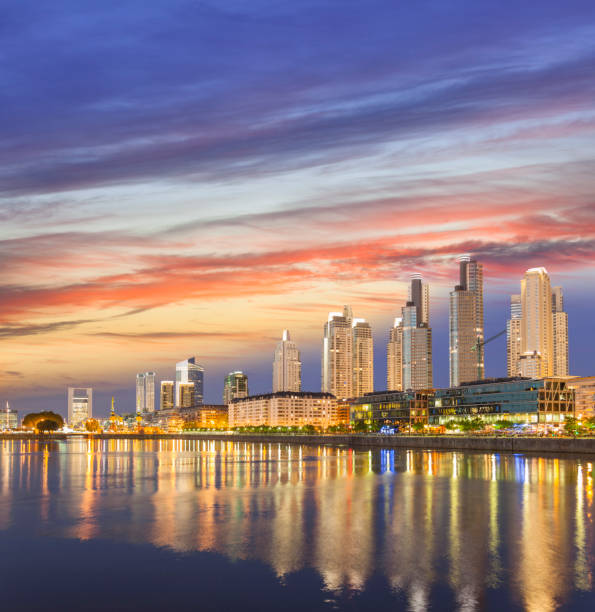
(503, 424)
(572, 426)
(33, 418)
(92, 425)
(360, 427)
(47, 425)
(452, 425)
(418, 426)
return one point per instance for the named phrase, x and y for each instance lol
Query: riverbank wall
(453, 442)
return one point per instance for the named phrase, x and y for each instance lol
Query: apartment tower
(394, 357)
(363, 357)
(337, 354)
(466, 331)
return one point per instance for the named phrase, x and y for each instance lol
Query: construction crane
(479, 345)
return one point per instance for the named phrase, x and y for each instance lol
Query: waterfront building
(337, 354)
(208, 415)
(9, 418)
(513, 336)
(166, 397)
(80, 405)
(466, 326)
(520, 400)
(235, 386)
(363, 357)
(394, 357)
(584, 388)
(285, 409)
(287, 367)
(537, 337)
(188, 371)
(187, 397)
(140, 393)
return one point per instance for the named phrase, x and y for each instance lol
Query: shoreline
(448, 443)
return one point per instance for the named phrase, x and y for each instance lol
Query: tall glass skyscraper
(145, 392)
(188, 371)
(235, 386)
(466, 328)
(140, 393)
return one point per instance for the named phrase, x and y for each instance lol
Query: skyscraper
(416, 356)
(560, 333)
(394, 357)
(537, 332)
(140, 393)
(287, 367)
(363, 357)
(167, 395)
(188, 371)
(537, 325)
(513, 336)
(235, 386)
(149, 391)
(337, 354)
(80, 405)
(466, 333)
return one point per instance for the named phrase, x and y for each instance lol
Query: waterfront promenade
(517, 444)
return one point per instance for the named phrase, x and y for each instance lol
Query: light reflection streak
(347, 513)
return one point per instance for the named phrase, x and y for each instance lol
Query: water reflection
(476, 523)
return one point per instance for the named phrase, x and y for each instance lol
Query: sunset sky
(189, 178)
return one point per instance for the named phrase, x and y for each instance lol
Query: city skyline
(198, 202)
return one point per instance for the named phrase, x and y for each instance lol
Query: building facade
(80, 405)
(9, 418)
(584, 388)
(213, 416)
(394, 357)
(287, 367)
(337, 354)
(149, 391)
(560, 322)
(285, 409)
(363, 357)
(140, 393)
(399, 408)
(513, 336)
(235, 386)
(167, 395)
(187, 398)
(466, 325)
(188, 371)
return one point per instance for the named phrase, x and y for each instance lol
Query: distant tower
(394, 357)
(140, 393)
(80, 405)
(337, 354)
(149, 391)
(189, 372)
(167, 393)
(513, 336)
(363, 357)
(287, 367)
(235, 386)
(560, 333)
(466, 324)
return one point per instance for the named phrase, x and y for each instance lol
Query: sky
(190, 178)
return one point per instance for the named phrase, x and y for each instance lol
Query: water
(205, 525)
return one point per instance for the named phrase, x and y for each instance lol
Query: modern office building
(188, 371)
(235, 386)
(513, 336)
(466, 327)
(80, 405)
(394, 357)
(541, 348)
(285, 409)
(416, 355)
(287, 367)
(337, 354)
(520, 400)
(140, 393)
(167, 393)
(363, 357)
(9, 418)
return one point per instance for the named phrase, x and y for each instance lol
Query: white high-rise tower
(363, 357)
(287, 367)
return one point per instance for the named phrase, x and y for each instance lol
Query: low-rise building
(286, 409)
(396, 407)
(9, 418)
(207, 415)
(584, 389)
